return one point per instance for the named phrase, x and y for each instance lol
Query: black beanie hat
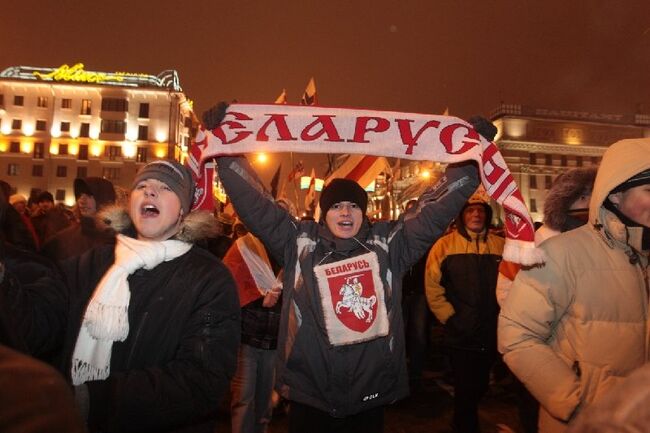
(174, 175)
(101, 189)
(339, 190)
(642, 178)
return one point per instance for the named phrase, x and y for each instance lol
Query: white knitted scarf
(106, 318)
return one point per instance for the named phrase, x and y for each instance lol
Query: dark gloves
(484, 127)
(213, 117)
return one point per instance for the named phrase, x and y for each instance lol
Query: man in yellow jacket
(460, 284)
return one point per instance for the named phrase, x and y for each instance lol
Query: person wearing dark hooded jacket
(576, 326)
(148, 329)
(92, 195)
(341, 340)
(460, 279)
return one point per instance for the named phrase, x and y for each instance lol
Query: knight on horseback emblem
(352, 299)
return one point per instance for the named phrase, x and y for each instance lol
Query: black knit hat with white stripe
(642, 178)
(175, 175)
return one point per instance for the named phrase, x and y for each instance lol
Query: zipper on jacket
(135, 339)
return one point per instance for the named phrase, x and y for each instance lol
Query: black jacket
(180, 353)
(346, 379)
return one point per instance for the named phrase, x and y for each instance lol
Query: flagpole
(295, 189)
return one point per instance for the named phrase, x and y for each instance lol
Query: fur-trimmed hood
(567, 188)
(195, 226)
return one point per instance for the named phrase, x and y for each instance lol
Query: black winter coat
(180, 353)
(341, 379)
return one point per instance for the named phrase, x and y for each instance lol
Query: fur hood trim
(194, 227)
(566, 189)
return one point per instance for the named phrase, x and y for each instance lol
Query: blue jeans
(252, 386)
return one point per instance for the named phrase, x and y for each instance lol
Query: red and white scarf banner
(310, 129)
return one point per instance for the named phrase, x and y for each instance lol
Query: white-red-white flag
(310, 197)
(363, 169)
(251, 268)
(282, 99)
(309, 97)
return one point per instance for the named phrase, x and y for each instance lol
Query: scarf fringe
(522, 252)
(83, 372)
(107, 322)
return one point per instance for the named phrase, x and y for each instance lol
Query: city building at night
(57, 124)
(539, 144)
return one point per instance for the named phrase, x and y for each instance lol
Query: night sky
(414, 56)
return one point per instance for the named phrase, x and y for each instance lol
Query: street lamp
(262, 158)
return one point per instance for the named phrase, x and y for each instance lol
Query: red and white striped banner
(250, 128)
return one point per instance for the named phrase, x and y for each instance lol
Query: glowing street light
(262, 158)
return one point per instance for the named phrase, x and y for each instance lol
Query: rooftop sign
(76, 74)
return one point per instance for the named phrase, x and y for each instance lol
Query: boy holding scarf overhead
(341, 353)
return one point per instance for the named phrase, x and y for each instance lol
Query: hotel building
(63, 123)
(540, 144)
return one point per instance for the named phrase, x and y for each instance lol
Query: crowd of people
(140, 316)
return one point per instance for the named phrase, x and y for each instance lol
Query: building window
(114, 126)
(144, 110)
(66, 103)
(533, 205)
(549, 159)
(41, 125)
(111, 173)
(115, 104)
(41, 101)
(578, 161)
(61, 171)
(63, 149)
(532, 158)
(16, 124)
(12, 170)
(37, 170)
(14, 147)
(563, 161)
(532, 182)
(82, 172)
(39, 150)
(548, 182)
(19, 100)
(65, 126)
(141, 155)
(86, 108)
(143, 132)
(59, 195)
(84, 130)
(83, 152)
(113, 152)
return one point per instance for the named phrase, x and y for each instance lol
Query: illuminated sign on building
(76, 74)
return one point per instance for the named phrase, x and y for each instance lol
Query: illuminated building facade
(59, 124)
(540, 144)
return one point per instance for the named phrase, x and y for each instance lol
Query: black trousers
(471, 372)
(306, 419)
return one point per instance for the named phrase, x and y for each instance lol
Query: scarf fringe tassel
(107, 322)
(83, 372)
(522, 252)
